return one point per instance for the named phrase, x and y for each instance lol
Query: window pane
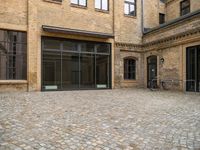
(98, 4)
(51, 44)
(132, 10)
(132, 1)
(102, 71)
(103, 48)
(82, 2)
(51, 70)
(87, 73)
(126, 8)
(185, 4)
(105, 4)
(70, 46)
(2, 36)
(185, 11)
(129, 69)
(74, 1)
(13, 58)
(87, 47)
(70, 70)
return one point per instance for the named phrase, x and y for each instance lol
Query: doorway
(193, 69)
(151, 71)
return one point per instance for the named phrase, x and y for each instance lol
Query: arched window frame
(129, 68)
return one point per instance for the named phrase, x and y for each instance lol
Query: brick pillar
(33, 48)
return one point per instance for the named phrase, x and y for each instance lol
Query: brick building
(98, 44)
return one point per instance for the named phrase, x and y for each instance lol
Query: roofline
(174, 22)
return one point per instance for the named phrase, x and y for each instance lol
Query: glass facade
(13, 55)
(72, 64)
(193, 69)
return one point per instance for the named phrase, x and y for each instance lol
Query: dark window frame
(78, 3)
(161, 19)
(79, 52)
(128, 67)
(184, 8)
(101, 4)
(13, 56)
(129, 6)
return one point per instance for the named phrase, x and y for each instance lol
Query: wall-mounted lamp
(162, 60)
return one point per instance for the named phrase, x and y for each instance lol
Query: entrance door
(151, 71)
(193, 68)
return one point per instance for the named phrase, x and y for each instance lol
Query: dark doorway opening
(193, 68)
(152, 71)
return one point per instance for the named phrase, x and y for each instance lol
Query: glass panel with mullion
(102, 71)
(87, 71)
(70, 71)
(198, 68)
(51, 70)
(132, 10)
(87, 47)
(185, 11)
(98, 4)
(132, 1)
(74, 1)
(82, 2)
(70, 46)
(190, 83)
(51, 44)
(126, 9)
(185, 3)
(105, 4)
(2, 36)
(103, 48)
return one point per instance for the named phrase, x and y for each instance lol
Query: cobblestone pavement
(104, 119)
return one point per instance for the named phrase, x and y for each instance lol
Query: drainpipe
(142, 15)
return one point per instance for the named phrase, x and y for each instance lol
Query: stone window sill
(101, 10)
(129, 16)
(13, 82)
(51, 1)
(78, 6)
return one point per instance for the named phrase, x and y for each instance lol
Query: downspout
(142, 16)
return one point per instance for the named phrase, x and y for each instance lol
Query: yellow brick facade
(167, 42)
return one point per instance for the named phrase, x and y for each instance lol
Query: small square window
(184, 7)
(130, 7)
(161, 18)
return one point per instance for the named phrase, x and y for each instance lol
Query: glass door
(151, 71)
(193, 69)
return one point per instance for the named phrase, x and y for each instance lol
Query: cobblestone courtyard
(105, 119)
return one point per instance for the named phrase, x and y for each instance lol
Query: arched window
(129, 69)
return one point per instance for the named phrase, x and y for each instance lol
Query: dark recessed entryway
(152, 71)
(73, 64)
(193, 68)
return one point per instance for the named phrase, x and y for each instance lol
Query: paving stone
(101, 120)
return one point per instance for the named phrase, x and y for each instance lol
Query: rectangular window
(130, 7)
(185, 7)
(101, 4)
(129, 69)
(79, 2)
(13, 56)
(161, 18)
